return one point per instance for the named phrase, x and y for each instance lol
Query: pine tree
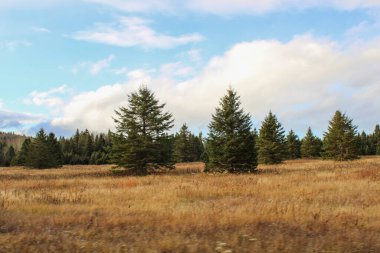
(182, 145)
(231, 144)
(142, 134)
(55, 150)
(43, 152)
(9, 156)
(363, 144)
(339, 140)
(21, 157)
(293, 145)
(376, 140)
(311, 146)
(2, 154)
(272, 146)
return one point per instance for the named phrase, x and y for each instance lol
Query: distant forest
(141, 141)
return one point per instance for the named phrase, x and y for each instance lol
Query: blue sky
(68, 64)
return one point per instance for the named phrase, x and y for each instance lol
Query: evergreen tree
(293, 146)
(43, 152)
(271, 142)
(376, 140)
(363, 144)
(2, 154)
(311, 146)
(182, 151)
(231, 144)
(196, 142)
(9, 156)
(141, 134)
(55, 150)
(339, 140)
(21, 156)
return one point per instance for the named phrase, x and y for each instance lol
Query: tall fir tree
(9, 156)
(271, 144)
(311, 146)
(187, 146)
(2, 153)
(182, 146)
(44, 152)
(293, 146)
(339, 140)
(21, 156)
(363, 144)
(376, 140)
(141, 134)
(230, 144)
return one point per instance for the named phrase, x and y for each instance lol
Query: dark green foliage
(311, 146)
(363, 146)
(7, 154)
(20, 159)
(231, 144)
(44, 152)
(340, 139)
(12, 139)
(182, 145)
(141, 143)
(376, 140)
(86, 148)
(369, 144)
(187, 147)
(271, 142)
(293, 145)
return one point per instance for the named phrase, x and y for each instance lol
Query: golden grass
(298, 206)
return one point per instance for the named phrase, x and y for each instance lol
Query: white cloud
(303, 81)
(265, 6)
(137, 5)
(92, 110)
(208, 6)
(12, 46)
(194, 55)
(50, 98)
(16, 120)
(131, 32)
(40, 29)
(93, 68)
(120, 71)
(175, 69)
(97, 67)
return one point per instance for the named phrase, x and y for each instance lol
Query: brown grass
(298, 206)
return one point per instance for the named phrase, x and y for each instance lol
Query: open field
(299, 206)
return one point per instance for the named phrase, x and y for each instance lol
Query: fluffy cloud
(265, 6)
(132, 31)
(209, 6)
(16, 120)
(50, 98)
(304, 81)
(94, 68)
(137, 5)
(97, 67)
(14, 45)
(40, 29)
(92, 110)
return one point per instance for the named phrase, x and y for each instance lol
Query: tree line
(142, 143)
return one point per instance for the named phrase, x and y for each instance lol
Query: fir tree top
(339, 140)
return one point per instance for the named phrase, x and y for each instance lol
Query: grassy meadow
(298, 206)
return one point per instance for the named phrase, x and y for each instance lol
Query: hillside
(12, 139)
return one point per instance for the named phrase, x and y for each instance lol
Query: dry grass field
(298, 206)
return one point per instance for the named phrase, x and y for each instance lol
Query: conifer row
(142, 142)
